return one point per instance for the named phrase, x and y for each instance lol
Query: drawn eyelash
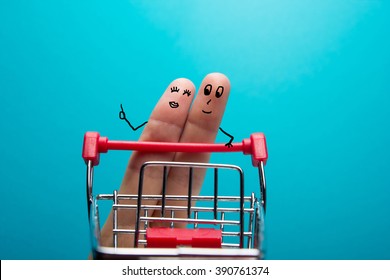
(186, 91)
(174, 89)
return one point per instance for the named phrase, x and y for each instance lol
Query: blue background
(312, 75)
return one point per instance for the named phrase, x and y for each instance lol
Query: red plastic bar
(94, 144)
(171, 147)
(176, 237)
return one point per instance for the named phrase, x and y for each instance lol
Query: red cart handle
(94, 144)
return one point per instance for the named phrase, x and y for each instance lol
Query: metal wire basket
(197, 226)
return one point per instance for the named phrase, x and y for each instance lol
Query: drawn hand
(186, 123)
(229, 144)
(122, 114)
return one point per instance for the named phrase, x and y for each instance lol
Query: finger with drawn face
(202, 126)
(165, 124)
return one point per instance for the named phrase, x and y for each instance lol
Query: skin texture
(173, 120)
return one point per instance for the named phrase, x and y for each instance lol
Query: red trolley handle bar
(94, 144)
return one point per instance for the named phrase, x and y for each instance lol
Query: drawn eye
(174, 89)
(207, 89)
(186, 91)
(219, 92)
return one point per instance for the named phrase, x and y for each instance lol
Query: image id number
(240, 270)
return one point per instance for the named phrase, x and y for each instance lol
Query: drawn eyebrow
(188, 92)
(174, 89)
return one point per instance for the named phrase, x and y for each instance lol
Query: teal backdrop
(312, 75)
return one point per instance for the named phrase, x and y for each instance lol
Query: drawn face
(176, 91)
(210, 97)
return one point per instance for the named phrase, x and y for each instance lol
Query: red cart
(216, 226)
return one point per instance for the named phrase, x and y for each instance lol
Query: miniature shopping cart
(198, 226)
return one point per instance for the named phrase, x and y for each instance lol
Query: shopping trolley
(201, 226)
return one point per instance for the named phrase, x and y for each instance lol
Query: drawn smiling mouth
(209, 112)
(173, 104)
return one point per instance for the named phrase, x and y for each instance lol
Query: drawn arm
(228, 144)
(122, 116)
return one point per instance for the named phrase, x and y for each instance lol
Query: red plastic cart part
(176, 237)
(94, 144)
